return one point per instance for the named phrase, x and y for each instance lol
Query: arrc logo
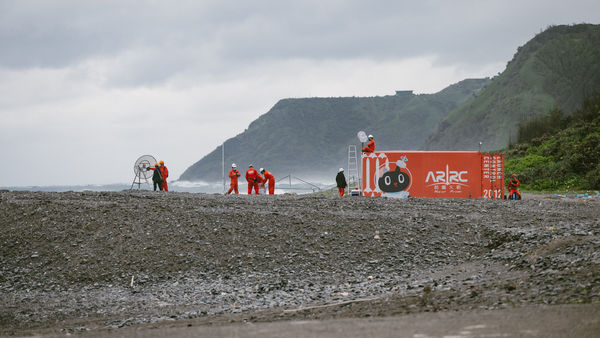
(447, 177)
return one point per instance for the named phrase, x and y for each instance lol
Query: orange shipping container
(446, 174)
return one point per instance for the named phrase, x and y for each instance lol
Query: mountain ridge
(310, 136)
(558, 68)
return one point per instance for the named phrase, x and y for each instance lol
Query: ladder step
(353, 174)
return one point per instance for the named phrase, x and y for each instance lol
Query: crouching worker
(370, 146)
(513, 188)
(340, 179)
(269, 178)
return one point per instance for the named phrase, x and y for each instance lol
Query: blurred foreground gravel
(76, 262)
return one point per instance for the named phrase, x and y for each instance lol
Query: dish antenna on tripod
(362, 136)
(140, 168)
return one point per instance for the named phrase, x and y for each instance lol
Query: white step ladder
(353, 171)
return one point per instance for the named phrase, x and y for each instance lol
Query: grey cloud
(215, 37)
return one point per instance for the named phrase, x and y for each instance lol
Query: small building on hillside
(404, 93)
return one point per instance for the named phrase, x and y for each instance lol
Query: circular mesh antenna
(362, 136)
(141, 165)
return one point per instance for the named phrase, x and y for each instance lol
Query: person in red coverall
(253, 178)
(164, 172)
(261, 185)
(370, 146)
(513, 187)
(270, 179)
(233, 175)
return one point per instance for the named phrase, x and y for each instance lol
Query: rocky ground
(93, 261)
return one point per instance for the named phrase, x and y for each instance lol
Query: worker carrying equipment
(370, 146)
(513, 188)
(340, 179)
(253, 179)
(269, 178)
(233, 175)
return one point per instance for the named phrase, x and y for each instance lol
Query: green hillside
(310, 136)
(559, 67)
(558, 152)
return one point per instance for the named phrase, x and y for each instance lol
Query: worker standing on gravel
(164, 173)
(370, 146)
(252, 177)
(233, 175)
(340, 179)
(157, 177)
(270, 179)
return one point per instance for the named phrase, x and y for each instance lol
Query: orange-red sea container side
(446, 174)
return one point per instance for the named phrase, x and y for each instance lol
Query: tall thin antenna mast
(223, 164)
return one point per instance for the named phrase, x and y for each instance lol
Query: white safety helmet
(233, 165)
(262, 169)
(370, 136)
(341, 169)
(250, 165)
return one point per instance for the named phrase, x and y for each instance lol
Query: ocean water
(176, 186)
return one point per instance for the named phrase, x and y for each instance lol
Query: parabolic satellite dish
(145, 161)
(362, 136)
(140, 169)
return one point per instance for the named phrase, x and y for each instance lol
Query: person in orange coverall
(513, 187)
(261, 185)
(270, 179)
(233, 174)
(164, 172)
(253, 178)
(370, 147)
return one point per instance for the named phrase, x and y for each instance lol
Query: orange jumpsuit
(233, 186)
(164, 172)
(271, 180)
(260, 182)
(513, 187)
(252, 177)
(369, 148)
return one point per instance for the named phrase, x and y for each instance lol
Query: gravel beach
(75, 262)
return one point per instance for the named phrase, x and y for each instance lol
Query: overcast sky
(86, 87)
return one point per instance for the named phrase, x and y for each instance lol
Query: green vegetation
(559, 152)
(534, 101)
(559, 67)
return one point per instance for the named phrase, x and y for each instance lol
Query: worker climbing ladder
(353, 172)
